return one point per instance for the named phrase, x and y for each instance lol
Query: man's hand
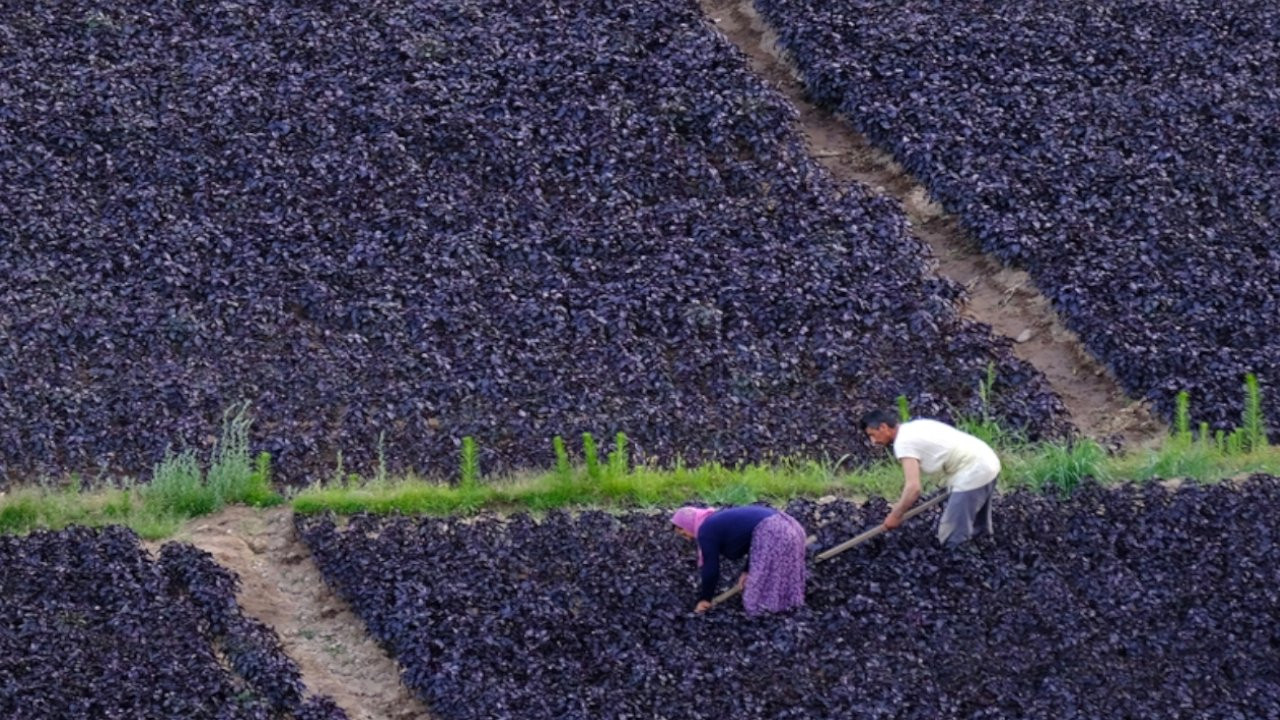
(702, 606)
(742, 581)
(892, 520)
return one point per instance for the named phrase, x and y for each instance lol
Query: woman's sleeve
(710, 568)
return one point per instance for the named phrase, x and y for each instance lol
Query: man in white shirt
(968, 466)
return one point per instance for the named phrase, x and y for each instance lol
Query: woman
(775, 575)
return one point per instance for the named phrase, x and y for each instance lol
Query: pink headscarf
(690, 518)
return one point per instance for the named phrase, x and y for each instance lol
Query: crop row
(1133, 602)
(424, 220)
(1124, 152)
(91, 627)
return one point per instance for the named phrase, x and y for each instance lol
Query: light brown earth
(1004, 298)
(282, 587)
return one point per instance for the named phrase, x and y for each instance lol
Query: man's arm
(910, 492)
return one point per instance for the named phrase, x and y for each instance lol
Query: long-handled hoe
(847, 544)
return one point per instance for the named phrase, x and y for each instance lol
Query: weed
(470, 470)
(564, 472)
(591, 456)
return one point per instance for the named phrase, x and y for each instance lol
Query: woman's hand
(702, 606)
(742, 581)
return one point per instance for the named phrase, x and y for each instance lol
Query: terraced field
(426, 237)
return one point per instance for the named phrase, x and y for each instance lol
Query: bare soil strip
(1004, 298)
(283, 588)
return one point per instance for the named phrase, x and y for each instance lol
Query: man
(968, 465)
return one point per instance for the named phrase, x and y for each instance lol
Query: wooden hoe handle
(834, 551)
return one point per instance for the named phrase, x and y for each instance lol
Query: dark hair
(876, 418)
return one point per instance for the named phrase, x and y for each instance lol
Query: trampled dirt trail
(1004, 298)
(282, 587)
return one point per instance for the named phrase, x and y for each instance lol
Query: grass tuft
(180, 488)
(1252, 422)
(564, 471)
(1059, 467)
(470, 470)
(591, 457)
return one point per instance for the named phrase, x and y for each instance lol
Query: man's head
(881, 426)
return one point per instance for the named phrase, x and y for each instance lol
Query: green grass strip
(182, 487)
(1049, 467)
(180, 490)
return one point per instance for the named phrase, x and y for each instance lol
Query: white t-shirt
(965, 461)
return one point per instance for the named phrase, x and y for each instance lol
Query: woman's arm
(710, 570)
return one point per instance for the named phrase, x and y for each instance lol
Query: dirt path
(1004, 298)
(281, 587)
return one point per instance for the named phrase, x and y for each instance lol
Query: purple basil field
(1077, 612)
(434, 220)
(436, 239)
